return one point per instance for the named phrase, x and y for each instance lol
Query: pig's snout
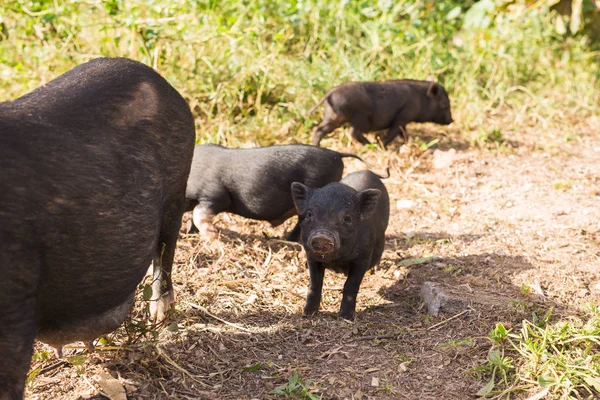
(322, 243)
(447, 120)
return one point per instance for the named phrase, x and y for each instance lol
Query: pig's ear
(300, 195)
(367, 202)
(433, 90)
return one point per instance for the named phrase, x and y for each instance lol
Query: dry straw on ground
(488, 221)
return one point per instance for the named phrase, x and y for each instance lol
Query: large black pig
(93, 170)
(373, 106)
(255, 183)
(342, 228)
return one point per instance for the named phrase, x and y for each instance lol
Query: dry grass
(491, 222)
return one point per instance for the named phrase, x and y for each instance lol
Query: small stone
(405, 204)
(433, 298)
(443, 159)
(375, 381)
(453, 300)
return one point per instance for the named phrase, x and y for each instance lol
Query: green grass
(562, 185)
(251, 69)
(562, 358)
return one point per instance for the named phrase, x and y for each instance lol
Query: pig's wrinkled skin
(343, 229)
(374, 106)
(93, 170)
(255, 183)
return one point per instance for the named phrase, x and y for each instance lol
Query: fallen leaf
(539, 396)
(484, 391)
(402, 367)
(112, 387)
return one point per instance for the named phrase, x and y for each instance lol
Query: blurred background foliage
(251, 69)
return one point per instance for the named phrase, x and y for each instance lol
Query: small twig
(179, 368)
(285, 242)
(112, 348)
(205, 311)
(51, 367)
(234, 282)
(432, 327)
(99, 348)
(216, 354)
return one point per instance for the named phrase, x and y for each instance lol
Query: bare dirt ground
(514, 228)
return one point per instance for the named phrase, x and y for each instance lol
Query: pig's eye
(308, 214)
(347, 220)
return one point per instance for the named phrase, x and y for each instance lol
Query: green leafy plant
(563, 356)
(296, 388)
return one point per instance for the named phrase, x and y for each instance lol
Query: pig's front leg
(355, 277)
(313, 299)
(397, 128)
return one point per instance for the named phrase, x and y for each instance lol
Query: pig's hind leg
(294, 235)
(331, 121)
(323, 129)
(360, 124)
(17, 332)
(17, 316)
(162, 264)
(203, 216)
(214, 200)
(397, 128)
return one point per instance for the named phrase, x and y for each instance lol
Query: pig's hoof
(347, 315)
(209, 231)
(58, 352)
(190, 227)
(89, 345)
(309, 312)
(159, 307)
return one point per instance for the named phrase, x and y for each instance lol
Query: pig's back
(362, 180)
(262, 181)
